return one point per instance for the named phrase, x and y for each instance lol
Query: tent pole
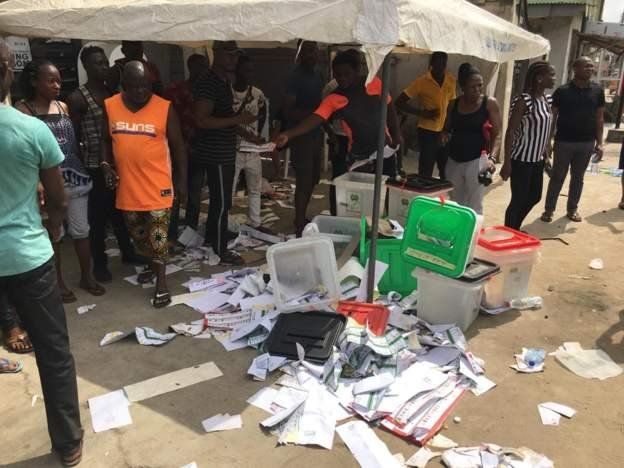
(381, 143)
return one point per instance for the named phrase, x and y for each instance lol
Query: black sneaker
(231, 258)
(102, 274)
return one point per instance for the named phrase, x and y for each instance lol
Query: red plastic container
(375, 315)
(499, 238)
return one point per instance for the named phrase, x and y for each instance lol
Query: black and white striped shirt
(531, 138)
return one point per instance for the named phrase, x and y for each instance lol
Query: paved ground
(167, 430)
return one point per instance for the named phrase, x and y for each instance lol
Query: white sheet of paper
(374, 383)
(85, 308)
(263, 399)
(112, 252)
(563, 410)
(208, 302)
(548, 417)
(587, 363)
(489, 459)
(368, 449)
(351, 269)
(422, 457)
(318, 421)
(380, 269)
(284, 414)
(264, 301)
(169, 270)
(222, 422)
(109, 411)
(190, 238)
(441, 355)
(190, 465)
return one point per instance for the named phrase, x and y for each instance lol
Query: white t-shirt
(254, 102)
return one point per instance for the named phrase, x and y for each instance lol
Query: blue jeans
(37, 299)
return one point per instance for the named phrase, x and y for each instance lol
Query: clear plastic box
(339, 229)
(515, 253)
(399, 200)
(300, 266)
(354, 194)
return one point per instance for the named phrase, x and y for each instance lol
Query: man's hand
(505, 171)
(444, 138)
(111, 179)
(281, 140)
(246, 118)
(599, 152)
(430, 113)
(55, 230)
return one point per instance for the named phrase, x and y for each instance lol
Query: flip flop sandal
(12, 340)
(94, 290)
(547, 217)
(574, 217)
(4, 366)
(68, 297)
(161, 300)
(146, 276)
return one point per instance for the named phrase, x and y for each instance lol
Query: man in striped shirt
(213, 151)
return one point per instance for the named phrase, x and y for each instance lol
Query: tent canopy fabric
(453, 26)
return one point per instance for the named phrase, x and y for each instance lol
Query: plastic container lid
(418, 183)
(317, 332)
(438, 236)
(500, 238)
(479, 270)
(375, 315)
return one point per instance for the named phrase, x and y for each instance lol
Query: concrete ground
(167, 432)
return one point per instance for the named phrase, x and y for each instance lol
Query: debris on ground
(587, 363)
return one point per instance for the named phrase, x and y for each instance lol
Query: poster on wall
(20, 48)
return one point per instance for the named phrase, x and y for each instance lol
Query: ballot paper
(352, 269)
(263, 399)
(248, 147)
(551, 412)
(149, 337)
(422, 457)
(373, 384)
(284, 414)
(169, 270)
(109, 411)
(208, 302)
(188, 329)
(85, 308)
(222, 422)
(587, 363)
(190, 238)
(387, 153)
(264, 364)
(366, 447)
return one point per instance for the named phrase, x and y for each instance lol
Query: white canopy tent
(453, 26)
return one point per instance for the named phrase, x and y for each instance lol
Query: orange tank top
(141, 152)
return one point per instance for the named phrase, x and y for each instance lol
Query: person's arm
(179, 157)
(445, 134)
(599, 131)
(107, 161)
(515, 119)
(308, 124)
(77, 109)
(293, 113)
(552, 131)
(262, 113)
(202, 112)
(497, 124)
(403, 104)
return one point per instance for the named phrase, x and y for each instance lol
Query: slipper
(621, 205)
(72, 457)
(547, 217)
(574, 217)
(16, 341)
(161, 300)
(68, 297)
(94, 289)
(5, 369)
(146, 276)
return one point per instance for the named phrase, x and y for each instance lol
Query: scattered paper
(422, 457)
(208, 302)
(149, 337)
(188, 329)
(222, 422)
(172, 381)
(85, 308)
(169, 270)
(190, 238)
(113, 337)
(366, 447)
(248, 147)
(351, 270)
(587, 363)
(109, 411)
(522, 366)
(442, 442)
(263, 399)
(551, 412)
(264, 364)
(596, 264)
(190, 465)
(373, 384)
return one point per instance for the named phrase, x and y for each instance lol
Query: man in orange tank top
(141, 136)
